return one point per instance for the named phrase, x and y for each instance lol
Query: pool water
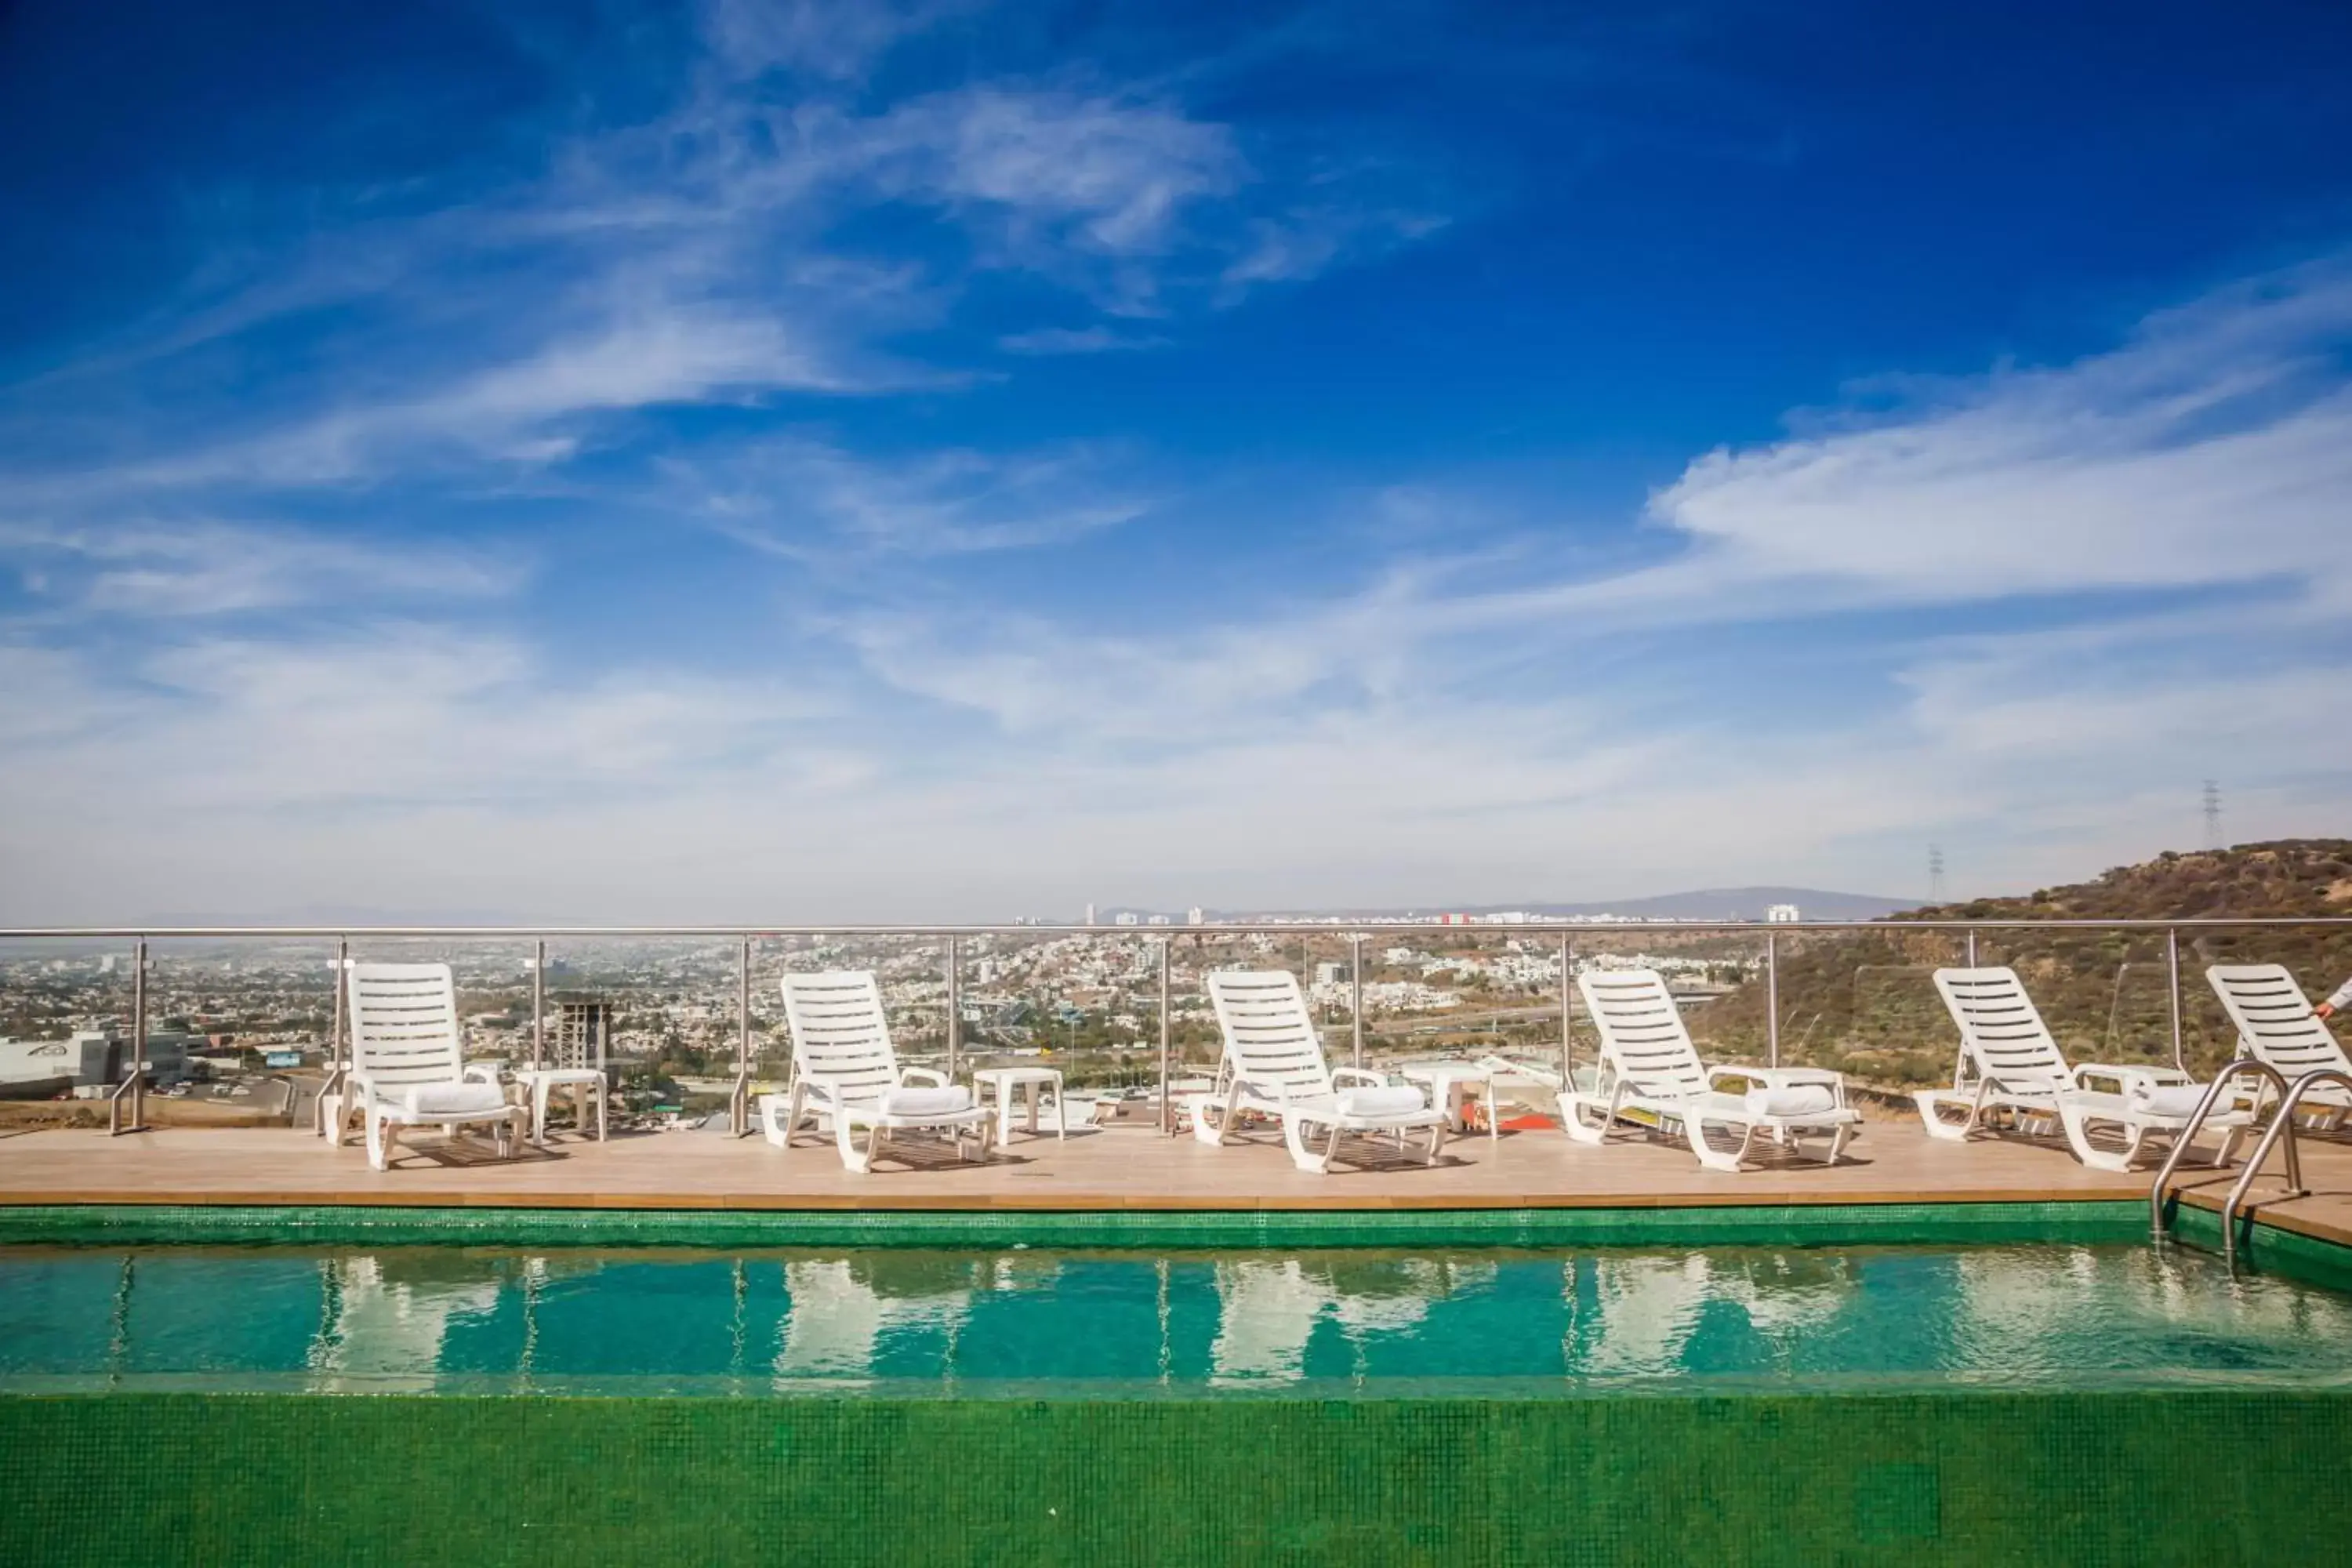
(1046, 1324)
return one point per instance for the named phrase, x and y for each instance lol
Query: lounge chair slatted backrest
(1270, 1040)
(839, 1033)
(1642, 1030)
(2273, 1019)
(2001, 1027)
(404, 1025)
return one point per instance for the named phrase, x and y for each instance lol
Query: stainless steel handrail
(1333, 927)
(2283, 1123)
(2243, 1066)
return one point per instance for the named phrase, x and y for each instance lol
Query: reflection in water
(1646, 1308)
(387, 1317)
(424, 1318)
(843, 1312)
(1269, 1308)
(2054, 1308)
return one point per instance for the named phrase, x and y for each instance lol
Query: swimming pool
(1036, 1324)
(2047, 1401)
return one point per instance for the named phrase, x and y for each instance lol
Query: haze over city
(937, 462)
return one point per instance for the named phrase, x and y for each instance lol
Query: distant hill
(1867, 1002)
(2289, 877)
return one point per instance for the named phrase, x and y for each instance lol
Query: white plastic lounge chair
(2013, 1072)
(1649, 1067)
(1273, 1065)
(2276, 1026)
(844, 1071)
(408, 1062)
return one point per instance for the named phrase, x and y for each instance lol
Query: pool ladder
(2282, 1125)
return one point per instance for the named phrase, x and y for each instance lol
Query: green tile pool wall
(2079, 1478)
(1759, 1225)
(2266, 1248)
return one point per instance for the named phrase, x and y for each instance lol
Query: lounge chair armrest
(1525, 1072)
(921, 1074)
(2127, 1078)
(1782, 1078)
(1279, 1094)
(833, 1088)
(1778, 1077)
(1364, 1075)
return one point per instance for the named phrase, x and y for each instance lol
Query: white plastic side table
(1446, 1081)
(585, 1084)
(1004, 1081)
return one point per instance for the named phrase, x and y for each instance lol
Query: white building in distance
(1781, 914)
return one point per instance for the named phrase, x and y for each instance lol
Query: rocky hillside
(1867, 1004)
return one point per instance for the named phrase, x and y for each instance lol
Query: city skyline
(932, 461)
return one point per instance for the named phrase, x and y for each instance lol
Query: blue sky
(922, 461)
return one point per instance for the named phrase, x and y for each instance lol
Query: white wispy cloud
(825, 38)
(2210, 450)
(2215, 446)
(689, 257)
(816, 502)
(1042, 171)
(2059, 593)
(155, 568)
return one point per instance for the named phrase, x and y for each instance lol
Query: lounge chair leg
(381, 1137)
(1294, 1133)
(1931, 1102)
(780, 1131)
(1209, 1122)
(2078, 1137)
(2229, 1146)
(846, 1141)
(1837, 1143)
(1712, 1158)
(1437, 1140)
(1573, 1121)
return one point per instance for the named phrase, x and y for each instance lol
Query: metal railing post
(1356, 991)
(1960, 1058)
(1166, 1040)
(1568, 1014)
(2172, 967)
(539, 1004)
(955, 1007)
(738, 1102)
(1771, 999)
(337, 1064)
(139, 1041)
(134, 1087)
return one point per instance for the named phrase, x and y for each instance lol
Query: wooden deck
(1895, 1162)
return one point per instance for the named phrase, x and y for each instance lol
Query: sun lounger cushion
(926, 1102)
(455, 1098)
(2172, 1099)
(1794, 1099)
(1394, 1102)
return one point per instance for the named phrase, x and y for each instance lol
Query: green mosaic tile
(2079, 1478)
(1793, 1224)
(2265, 1248)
